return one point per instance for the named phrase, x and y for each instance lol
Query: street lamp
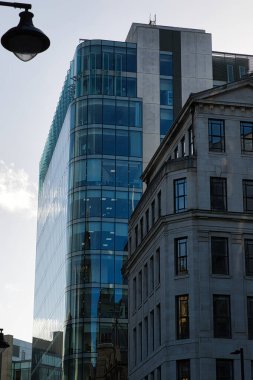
(24, 40)
(240, 352)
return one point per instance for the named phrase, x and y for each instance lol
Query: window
(158, 325)
(159, 204)
(147, 220)
(250, 317)
(134, 294)
(218, 193)
(246, 137)
(166, 92)
(190, 141)
(230, 73)
(182, 317)
(176, 153)
(134, 346)
(181, 256)
(153, 212)
(152, 332)
(219, 251)
(136, 236)
(140, 288)
(216, 133)
(158, 373)
(248, 248)
(141, 228)
(180, 195)
(221, 316)
(183, 369)
(157, 267)
(248, 195)
(242, 71)
(145, 285)
(224, 369)
(146, 335)
(151, 269)
(140, 341)
(166, 64)
(166, 120)
(182, 142)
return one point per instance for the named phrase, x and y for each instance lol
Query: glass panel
(81, 113)
(121, 233)
(121, 173)
(94, 141)
(121, 305)
(135, 115)
(108, 172)
(122, 113)
(93, 203)
(85, 303)
(131, 87)
(166, 92)
(120, 59)
(135, 171)
(109, 141)
(109, 112)
(166, 64)
(131, 60)
(166, 119)
(95, 57)
(95, 84)
(121, 143)
(122, 205)
(107, 269)
(94, 172)
(86, 58)
(119, 261)
(107, 242)
(107, 303)
(80, 142)
(95, 111)
(134, 198)
(108, 84)
(108, 57)
(94, 235)
(78, 206)
(90, 268)
(135, 144)
(108, 204)
(121, 86)
(80, 173)
(78, 237)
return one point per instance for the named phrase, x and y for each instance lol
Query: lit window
(182, 317)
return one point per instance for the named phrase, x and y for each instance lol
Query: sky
(29, 93)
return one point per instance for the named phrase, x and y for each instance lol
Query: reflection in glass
(121, 173)
(135, 116)
(109, 141)
(122, 204)
(107, 269)
(108, 204)
(135, 170)
(94, 172)
(121, 233)
(122, 113)
(95, 111)
(106, 303)
(78, 206)
(119, 261)
(94, 141)
(121, 143)
(80, 173)
(80, 142)
(135, 146)
(108, 172)
(93, 203)
(109, 112)
(121, 303)
(107, 238)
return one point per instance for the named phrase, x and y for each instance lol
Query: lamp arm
(16, 5)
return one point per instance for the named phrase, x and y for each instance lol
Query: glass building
(118, 101)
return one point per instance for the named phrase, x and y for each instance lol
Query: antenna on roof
(152, 22)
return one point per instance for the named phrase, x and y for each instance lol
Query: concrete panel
(148, 61)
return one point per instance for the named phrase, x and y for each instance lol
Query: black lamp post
(24, 40)
(240, 352)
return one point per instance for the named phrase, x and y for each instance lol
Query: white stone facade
(197, 306)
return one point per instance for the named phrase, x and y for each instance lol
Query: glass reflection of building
(118, 101)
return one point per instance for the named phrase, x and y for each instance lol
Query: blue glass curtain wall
(106, 68)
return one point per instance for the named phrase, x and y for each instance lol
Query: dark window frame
(183, 369)
(250, 317)
(178, 198)
(247, 195)
(246, 142)
(181, 264)
(218, 200)
(220, 255)
(221, 316)
(220, 364)
(216, 140)
(248, 252)
(182, 316)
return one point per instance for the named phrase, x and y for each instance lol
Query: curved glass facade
(104, 187)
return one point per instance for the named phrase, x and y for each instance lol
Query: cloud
(17, 193)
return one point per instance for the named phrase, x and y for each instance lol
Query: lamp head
(24, 40)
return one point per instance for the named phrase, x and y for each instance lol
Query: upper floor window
(182, 142)
(147, 220)
(190, 141)
(218, 193)
(180, 195)
(221, 316)
(157, 267)
(166, 64)
(153, 212)
(242, 71)
(250, 317)
(216, 133)
(219, 250)
(248, 195)
(224, 369)
(230, 73)
(166, 92)
(246, 136)
(159, 206)
(181, 256)
(152, 273)
(183, 369)
(182, 317)
(134, 294)
(141, 229)
(248, 248)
